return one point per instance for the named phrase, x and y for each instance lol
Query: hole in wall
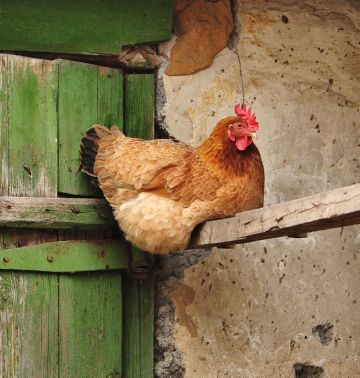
(324, 332)
(308, 371)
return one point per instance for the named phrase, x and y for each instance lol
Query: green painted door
(89, 324)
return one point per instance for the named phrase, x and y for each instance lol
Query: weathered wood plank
(132, 342)
(87, 95)
(83, 26)
(110, 97)
(139, 295)
(90, 325)
(139, 105)
(67, 256)
(28, 324)
(4, 125)
(90, 304)
(55, 213)
(28, 332)
(78, 110)
(139, 58)
(336, 208)
(146, 317)
(32, 126)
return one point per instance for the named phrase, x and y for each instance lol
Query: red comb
(246, 115)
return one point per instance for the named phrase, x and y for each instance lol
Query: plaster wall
(277, 307)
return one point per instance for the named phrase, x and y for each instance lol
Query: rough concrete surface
(285, 307)
(194, 103)
(170, 269)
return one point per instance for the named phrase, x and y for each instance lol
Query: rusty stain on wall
(182, 297)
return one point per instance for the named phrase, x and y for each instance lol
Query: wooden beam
(55, 213)
(84, 26)
(336, 208)
(140, 58)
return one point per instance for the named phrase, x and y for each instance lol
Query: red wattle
(243, 142)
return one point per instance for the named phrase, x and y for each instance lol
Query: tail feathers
(89, 147)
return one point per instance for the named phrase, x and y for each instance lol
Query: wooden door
(88, 324)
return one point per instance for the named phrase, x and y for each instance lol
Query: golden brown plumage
(160, 189)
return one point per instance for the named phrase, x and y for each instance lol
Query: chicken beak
(253, 135)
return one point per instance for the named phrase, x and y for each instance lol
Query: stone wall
(284, 307)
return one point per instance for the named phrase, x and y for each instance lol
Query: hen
(160, 190)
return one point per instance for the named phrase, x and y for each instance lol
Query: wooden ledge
(336, 208)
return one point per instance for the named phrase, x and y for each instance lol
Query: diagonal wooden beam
(336, 208)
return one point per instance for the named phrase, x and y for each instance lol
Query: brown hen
(160, 189)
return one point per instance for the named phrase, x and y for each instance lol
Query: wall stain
(182, 297)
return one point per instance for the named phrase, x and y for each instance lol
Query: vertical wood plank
(78, 110)
(28, 301)
(4, 126)
(139, 105)
(139, 295)
(28, 333)
(90, 325)
(110, 97)
(146, 315)
(90, 304)
(32, 127)
(132, 337)
(87, 95)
